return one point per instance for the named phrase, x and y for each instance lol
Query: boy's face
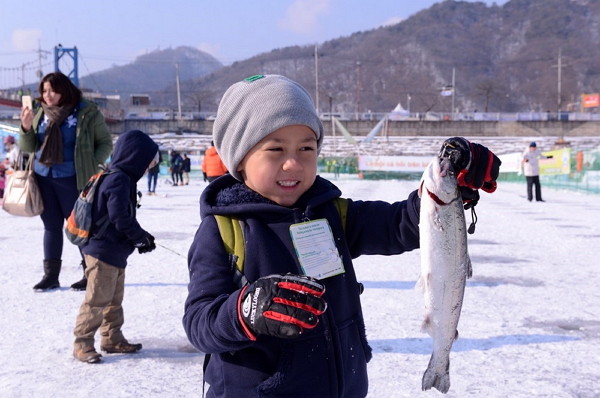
(283, 165)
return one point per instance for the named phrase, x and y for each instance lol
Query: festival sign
(406, 164)
(590, 100)
(560, 163)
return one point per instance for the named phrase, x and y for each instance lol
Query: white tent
(399, 113)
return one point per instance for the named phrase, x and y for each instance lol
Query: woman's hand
(26, 119)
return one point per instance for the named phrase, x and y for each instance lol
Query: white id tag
(315, 248)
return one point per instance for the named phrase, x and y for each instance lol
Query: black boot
(81, 284)
(50, 279)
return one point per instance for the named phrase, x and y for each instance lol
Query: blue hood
(133, 152)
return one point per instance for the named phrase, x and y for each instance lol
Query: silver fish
(445, 265)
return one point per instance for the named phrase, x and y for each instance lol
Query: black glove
(281, 306)
(475, 165)
(470, 197)
(205, 177)
(146, 245)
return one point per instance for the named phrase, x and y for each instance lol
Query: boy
(295, 329)
(106, 255)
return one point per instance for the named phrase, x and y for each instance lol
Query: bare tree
(487, 88)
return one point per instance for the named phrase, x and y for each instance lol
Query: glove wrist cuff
(241, 320)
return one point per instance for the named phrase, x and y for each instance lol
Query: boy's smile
(283, 165)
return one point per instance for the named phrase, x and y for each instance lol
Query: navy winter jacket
(117, 197)
(328, 361)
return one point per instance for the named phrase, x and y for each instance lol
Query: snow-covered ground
(530, 323)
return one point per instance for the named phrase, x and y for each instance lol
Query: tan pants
(101, 308)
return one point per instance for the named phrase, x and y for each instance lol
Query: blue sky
(115, 32)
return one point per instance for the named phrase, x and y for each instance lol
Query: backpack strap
(341, 205)
(100, 225)
(232, 234)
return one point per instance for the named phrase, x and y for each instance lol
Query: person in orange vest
(212, 165)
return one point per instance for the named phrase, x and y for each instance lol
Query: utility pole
(357, 89)
(23, 78)
(453, 91)
(332, 122)
(559, 66)
(178, 92)
(316, 79)
(41, 55)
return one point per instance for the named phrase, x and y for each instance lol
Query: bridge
(11, 103)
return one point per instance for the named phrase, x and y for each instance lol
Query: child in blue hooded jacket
(106, 255)
(295, 328)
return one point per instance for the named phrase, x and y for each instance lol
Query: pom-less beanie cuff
(254, 108)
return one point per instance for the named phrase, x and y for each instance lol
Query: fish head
(439, 179)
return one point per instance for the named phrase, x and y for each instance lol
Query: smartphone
(27, 102)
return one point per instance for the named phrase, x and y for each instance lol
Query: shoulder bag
(22, 196)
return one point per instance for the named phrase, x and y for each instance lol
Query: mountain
(151, 73)
(504, 58)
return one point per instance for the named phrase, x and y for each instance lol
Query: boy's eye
(307, 148)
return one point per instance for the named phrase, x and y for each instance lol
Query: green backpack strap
(341, 204)
(232, 234)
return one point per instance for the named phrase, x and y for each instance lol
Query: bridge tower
(70, 64)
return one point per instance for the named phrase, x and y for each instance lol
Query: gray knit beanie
(254, 108)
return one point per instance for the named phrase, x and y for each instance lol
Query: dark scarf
(52, 147)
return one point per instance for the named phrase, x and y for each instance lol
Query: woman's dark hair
(69, 93)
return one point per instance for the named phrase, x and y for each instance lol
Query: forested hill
(505, 58)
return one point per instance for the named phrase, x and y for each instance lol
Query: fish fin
(420, 192)
(456, 335)
(469, 267)
(426, 326)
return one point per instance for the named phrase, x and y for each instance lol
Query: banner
(511, 162)
(590, 100)
(559, 164)
(406, 164)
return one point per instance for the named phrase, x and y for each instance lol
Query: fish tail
(434, 378)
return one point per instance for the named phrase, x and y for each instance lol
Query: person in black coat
(176, 168)
(185, 169)
(152, 176)
(106, 255)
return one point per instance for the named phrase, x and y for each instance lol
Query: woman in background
(70, 139)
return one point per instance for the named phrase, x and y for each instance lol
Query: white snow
(530, 323)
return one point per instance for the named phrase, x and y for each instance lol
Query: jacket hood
(228, 196)
(133, 152)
